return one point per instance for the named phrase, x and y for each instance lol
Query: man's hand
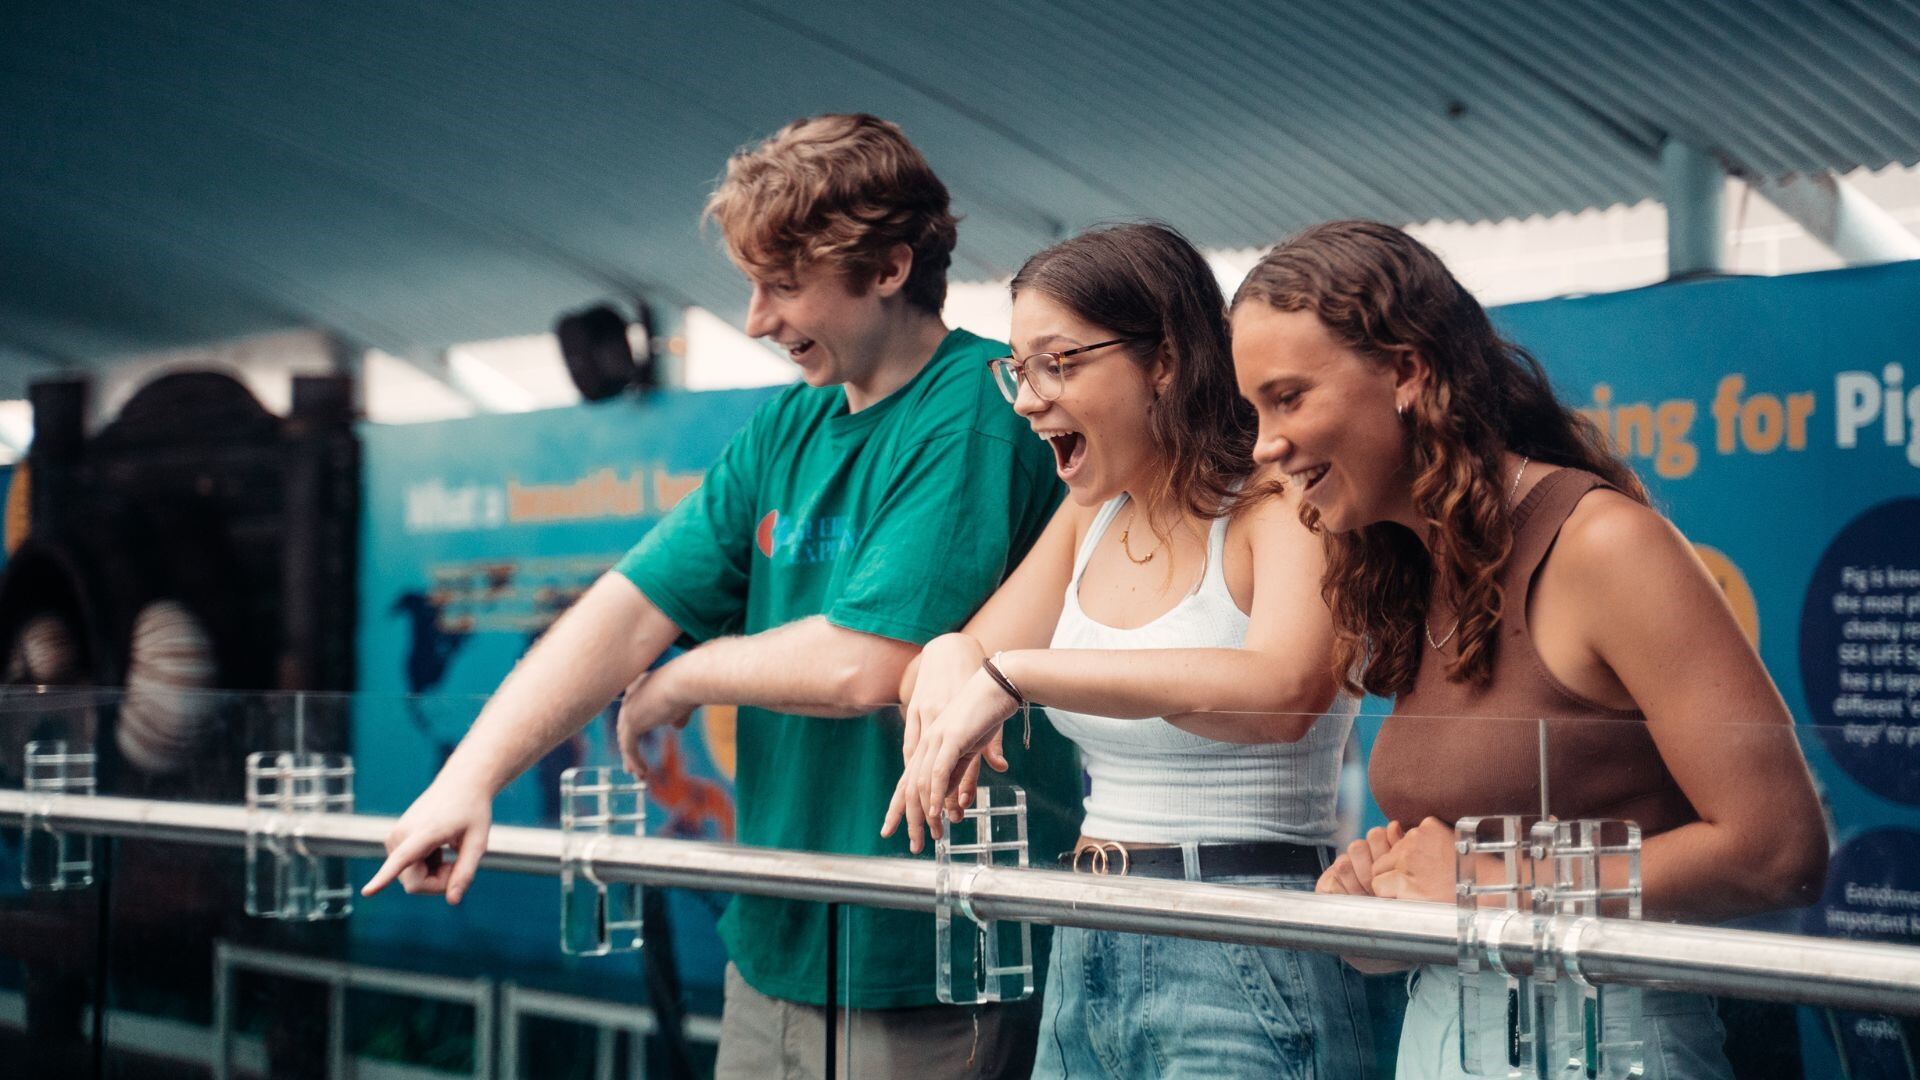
(447, 814)
(651, 702)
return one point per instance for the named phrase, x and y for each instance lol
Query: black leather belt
(1242, 859)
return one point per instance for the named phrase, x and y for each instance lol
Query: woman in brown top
(1491, 564)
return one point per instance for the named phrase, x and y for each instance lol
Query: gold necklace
(1132, 508)
(1455, 628)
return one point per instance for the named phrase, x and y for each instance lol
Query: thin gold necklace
(1132, 508)
(1455, 628)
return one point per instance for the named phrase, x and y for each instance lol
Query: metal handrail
(1736, 963)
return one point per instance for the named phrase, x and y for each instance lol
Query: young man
(856, 517)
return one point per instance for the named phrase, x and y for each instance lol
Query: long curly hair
(1146, 282)
(1384, 295)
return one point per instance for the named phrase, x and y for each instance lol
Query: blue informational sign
(1777, 422)
(477, 534)
(1772, 420)
(1873, 893)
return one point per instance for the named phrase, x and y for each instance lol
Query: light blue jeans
(1684, 1038)
(1137, 1005)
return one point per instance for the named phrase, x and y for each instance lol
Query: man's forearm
(583, 661)
(810, 667)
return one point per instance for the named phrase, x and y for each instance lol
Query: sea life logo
(804, 541)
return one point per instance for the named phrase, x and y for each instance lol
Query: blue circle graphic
(1860, 649)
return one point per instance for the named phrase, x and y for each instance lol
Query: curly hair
(1384, 295)
(839, 190)
(1147, 283)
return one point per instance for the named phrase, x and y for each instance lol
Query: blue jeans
(1684, 1038)
(1137, 1005)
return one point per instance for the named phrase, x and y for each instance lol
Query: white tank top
(1155, 783)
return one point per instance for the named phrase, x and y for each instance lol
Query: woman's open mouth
(1305, 480)
(1069, 450)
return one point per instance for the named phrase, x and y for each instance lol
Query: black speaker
(599, 352)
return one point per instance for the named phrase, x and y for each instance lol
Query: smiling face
(833, 334)
(1102, 443)
(1327, 415)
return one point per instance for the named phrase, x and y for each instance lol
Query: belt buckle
(1098, 857)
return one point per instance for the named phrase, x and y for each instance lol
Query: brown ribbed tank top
(1453, 750)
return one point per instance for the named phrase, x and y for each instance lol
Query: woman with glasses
(1169, 619)
(1490, 562)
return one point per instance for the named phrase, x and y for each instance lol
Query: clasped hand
(1398, 863)
(1393, 862)
(652, 701)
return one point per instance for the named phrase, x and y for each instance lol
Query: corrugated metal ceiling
(444, 172)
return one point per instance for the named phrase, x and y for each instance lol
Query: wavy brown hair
(838, 190)
(1384, 295)
(1145, 282)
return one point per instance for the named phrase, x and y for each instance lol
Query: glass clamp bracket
(995, 962)
(598, 803)
(1494, 992)
(52, 860)
(287, 879)
(1585, 870)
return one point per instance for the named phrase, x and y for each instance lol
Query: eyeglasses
(1045, 372)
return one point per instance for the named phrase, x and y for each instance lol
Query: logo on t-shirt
(804, 541)
(763, 536)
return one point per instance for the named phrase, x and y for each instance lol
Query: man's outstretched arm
(600, 645)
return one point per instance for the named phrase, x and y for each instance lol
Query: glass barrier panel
(1866, 778)
(51, 940)
(1770, 1040)
(1764, 827)
(1200, 995)
(154, 967)
(195, 985)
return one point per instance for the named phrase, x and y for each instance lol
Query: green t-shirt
(898, 520)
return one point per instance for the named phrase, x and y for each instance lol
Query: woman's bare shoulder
(1623, 557)
(1608, 531)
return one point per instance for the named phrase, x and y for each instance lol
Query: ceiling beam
(1840, 216)
(1693, 184)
